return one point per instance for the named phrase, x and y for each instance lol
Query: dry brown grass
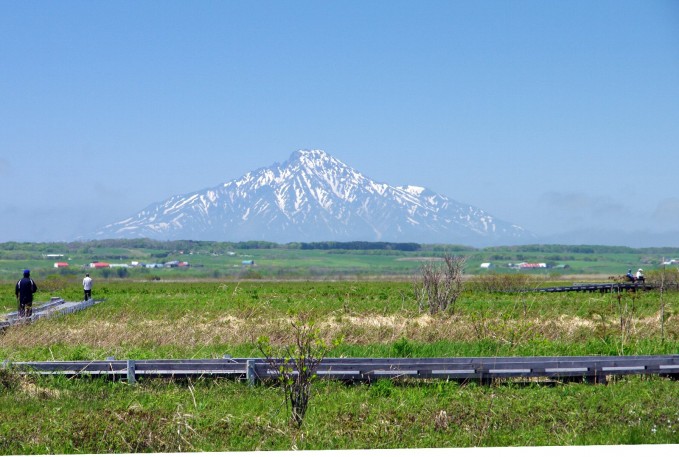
(195, 331)
(27, 387)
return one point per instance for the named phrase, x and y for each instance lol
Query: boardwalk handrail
(589, 368)
(596, 287)
(55, 306)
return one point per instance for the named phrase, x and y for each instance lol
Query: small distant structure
(671, 262)
(487, 265)
(248, 262)
(53, 256)
(60, 265)
(99, 265)
(530, 266)
(176, 264)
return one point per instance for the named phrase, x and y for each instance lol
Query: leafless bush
(440, 284)
(626, 309)
(296, 365)
(666, 276)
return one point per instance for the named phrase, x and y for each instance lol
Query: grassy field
(208, 319)
(202, 319)
(226, 260)
(76, 416)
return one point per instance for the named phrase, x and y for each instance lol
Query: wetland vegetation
(189, 317)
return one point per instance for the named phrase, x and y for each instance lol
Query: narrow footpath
(56, 306)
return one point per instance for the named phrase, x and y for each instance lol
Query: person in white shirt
(87, 287)
(640, 275)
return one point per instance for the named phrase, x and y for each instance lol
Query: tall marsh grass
(59, 415)
(154, 320)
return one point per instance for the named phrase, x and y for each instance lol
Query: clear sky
(559, 116)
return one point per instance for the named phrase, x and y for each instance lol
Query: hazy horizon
(558, 117)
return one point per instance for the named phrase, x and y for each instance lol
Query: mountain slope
(315, 197)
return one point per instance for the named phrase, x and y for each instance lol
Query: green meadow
(163, 319)
(343, 261)
(174, 313)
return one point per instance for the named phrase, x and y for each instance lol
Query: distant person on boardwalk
(24, 290)
(87, 286)
(640, 275)
(630, 276)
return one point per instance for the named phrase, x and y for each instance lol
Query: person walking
(24, 290)
(87, 286)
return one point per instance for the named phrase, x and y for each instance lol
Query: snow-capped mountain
(315, 197)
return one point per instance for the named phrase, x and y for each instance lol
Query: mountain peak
(315, 197)
(315, 158)
(309, 153)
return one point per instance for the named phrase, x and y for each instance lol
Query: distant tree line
(12, 249)
(361, 246)
(582, 249)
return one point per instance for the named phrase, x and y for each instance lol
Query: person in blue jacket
(24, 290)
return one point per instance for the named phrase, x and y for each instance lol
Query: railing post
(131, 379)
(250, 373)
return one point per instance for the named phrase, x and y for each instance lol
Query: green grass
(63, 416)
(223, 260)
(163, 319)
(193, 319)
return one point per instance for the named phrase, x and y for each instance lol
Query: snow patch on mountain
(315, 197)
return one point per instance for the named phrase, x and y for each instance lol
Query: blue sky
(562, 117)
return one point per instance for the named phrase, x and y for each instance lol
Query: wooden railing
(606, 287)
(56, 306)
(482, 369)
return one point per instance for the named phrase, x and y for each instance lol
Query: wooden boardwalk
(601, 287)
(483, 369)
(56, 306)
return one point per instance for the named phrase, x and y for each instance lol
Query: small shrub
(54, 284)
(9, 380)
(403, 348)
(440, 284)
(297, 365)
(250, 274)
(382, 388)
(501, 282)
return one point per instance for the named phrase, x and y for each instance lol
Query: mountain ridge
(313, 196)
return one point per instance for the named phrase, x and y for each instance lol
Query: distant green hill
(150, 259)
